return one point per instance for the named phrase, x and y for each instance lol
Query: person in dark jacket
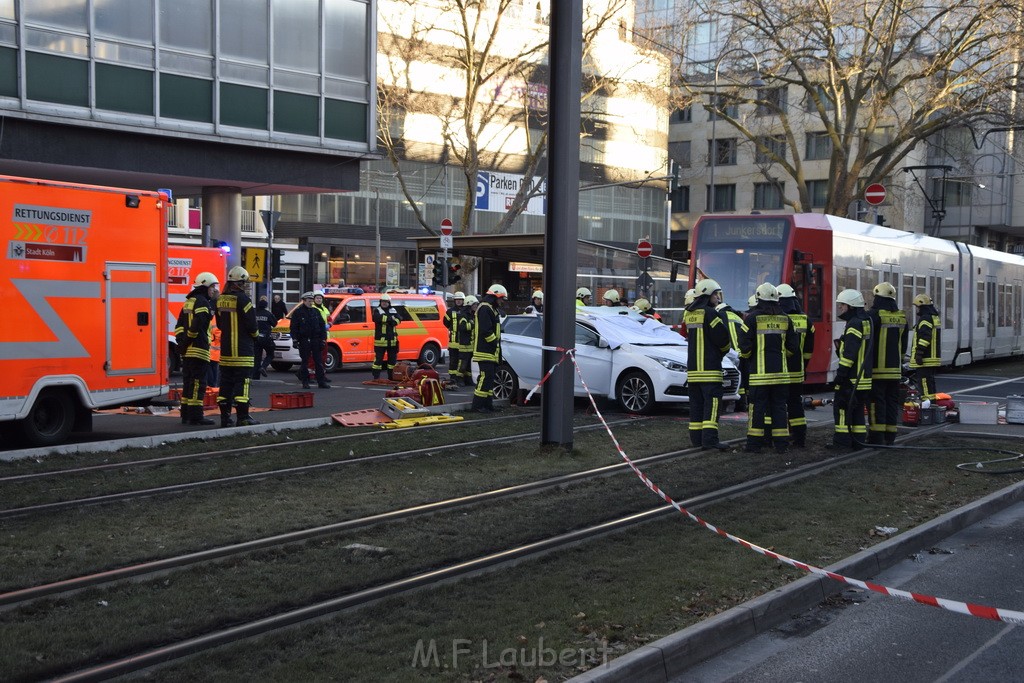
(925, 355)
(708, 342)
(790, 305)
(309, 335)
(192, 334)
(487, 346)
(464, 331)
(385, 337)
(853, 378)
(279, 308)
(890, 329)
(236, 320)
(536, 303)
(451, 321)
(265, 323)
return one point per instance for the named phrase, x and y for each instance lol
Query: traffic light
(880, 219)
(440, 270)
(454, 273)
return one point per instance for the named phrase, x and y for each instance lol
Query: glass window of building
(725, 198)
(297, 34)
(187, 25)
(127, 19)
(345, 57)
(768, 195)
(679, 152)
(771, 101)
(69, 14)
(818, 191)
(681, 199)
(243, 31)
(724, 150)
(819, 146)
(775, 146)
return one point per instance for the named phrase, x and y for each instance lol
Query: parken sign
(495, 192)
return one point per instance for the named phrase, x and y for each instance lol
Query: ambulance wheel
(506, 384)
(333, 361)
(431, 354)
(281, 367)
(636, 393)
(50, 420)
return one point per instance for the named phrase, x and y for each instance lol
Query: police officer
(451, 321)
(708, 343)
(582, 297)
(797, 363)
(466, 325)
(925, 356)
(890, 342)
(853, 378)
(767, 340)
(236, 320)
(309, 336)
(536, 303)
(385, 337)
(487, 346)
(192, 333)
(265, 323)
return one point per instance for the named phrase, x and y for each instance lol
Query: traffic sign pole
(644, 249)
(446, 243)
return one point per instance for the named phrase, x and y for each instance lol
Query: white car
(624, 356)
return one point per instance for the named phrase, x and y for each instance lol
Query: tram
(979, 292)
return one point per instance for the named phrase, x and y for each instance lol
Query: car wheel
(333, 359)
(50, 420)
(431, 355)
(506, 383)
(281, 367)
(636, 393)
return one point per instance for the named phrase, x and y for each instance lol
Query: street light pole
(756, 82)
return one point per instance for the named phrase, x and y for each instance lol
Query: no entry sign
(644, 249)
(874, 194)
(446, 226)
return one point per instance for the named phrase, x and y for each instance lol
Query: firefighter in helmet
(451, 321)
(192, 334)
(536, 302)
(582, 297)
(464, 331)
(853, 378)
(236, 320)
(797, 363)
(890, 328)
(612, 298)
(925, 355)
(385, 337)
(708, 344)
(734, 323)
(487, 346)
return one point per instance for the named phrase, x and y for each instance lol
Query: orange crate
(209, 399)
(291, 399)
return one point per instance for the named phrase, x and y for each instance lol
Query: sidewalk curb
(672, 655)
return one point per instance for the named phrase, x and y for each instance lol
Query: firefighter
(192, 334)
(487, 346)
(465, 334)
(853, 378)
(890, 342)
(708, 343)
(612, 298)
(321, 307)
(582, 297)
(734, 323)
(451, 321)
(925, 356)
(797, 363)
(385, 337)
(536, 303)
(265, 322)
(309, 336)
(768, 340)
(236, 320)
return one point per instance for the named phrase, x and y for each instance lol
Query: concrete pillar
(222, 209)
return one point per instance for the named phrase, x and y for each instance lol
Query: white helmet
(642, 305)
(786, 291)
(318, 293)
(751, 302)
(691, 294)
(851, 297)
(922, 300)
(582, 292)
(238, 274)
(707, 287)
(498, 291)
(470, 300)
(459, 295)
(206, 280)
(537, 295)
(612, 296)
(885, 289)
(385, 297)
(767, 292)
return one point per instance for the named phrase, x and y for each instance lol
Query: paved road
(872, 637)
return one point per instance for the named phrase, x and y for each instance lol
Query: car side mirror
(602, 343)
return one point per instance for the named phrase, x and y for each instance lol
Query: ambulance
(183, 264)
(82, 283)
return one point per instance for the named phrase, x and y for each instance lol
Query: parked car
(422, 336)
(636, 361)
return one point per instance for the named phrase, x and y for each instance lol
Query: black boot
(490, 405)
(243, 415)
(480, 405)
(225, 415)
(197, 417)
(185, 413)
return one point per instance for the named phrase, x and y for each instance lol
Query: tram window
(908, 295)
(980, 308)
(1016, 308)
(846, 278)
(815, 311)
(950, 314)
(935, 291)
(868, 280)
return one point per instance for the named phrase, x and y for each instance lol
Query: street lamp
(756, 82)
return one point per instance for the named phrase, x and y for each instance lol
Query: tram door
(1016, 291)
(990, 309)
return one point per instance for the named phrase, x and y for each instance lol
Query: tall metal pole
(562, 224)
(376, 224)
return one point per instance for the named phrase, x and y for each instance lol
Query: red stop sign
(644, 249)
(874, 194)
(446, 226)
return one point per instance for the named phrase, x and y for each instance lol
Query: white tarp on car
(632, 329)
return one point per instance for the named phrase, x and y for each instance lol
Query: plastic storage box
(979, 413)
(291, 399)
(933, 415)
(1015, 409)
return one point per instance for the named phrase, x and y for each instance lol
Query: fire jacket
(734, 323)
(451, 320)
(708, 339)
(767, 341)
(307, 325)
(464, 328)
(486, 332)
(854, 361)
(797, 363)
(927, 334)
(192, 331)
(236, 319)
(890, 325)
(385, 326)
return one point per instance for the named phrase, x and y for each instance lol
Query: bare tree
(873, 79)
(488, 98)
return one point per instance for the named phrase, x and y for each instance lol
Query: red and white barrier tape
(993, 613)
(565, 354)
